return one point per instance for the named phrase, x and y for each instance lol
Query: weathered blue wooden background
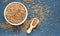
(45, 29)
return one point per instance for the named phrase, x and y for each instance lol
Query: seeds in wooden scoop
(35, 21)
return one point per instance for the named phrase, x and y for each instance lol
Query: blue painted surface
(45, 29)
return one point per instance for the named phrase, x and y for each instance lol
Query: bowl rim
(25, 16)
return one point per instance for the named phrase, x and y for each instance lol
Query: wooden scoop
(33, 24)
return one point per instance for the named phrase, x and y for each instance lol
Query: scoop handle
(29, 30)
